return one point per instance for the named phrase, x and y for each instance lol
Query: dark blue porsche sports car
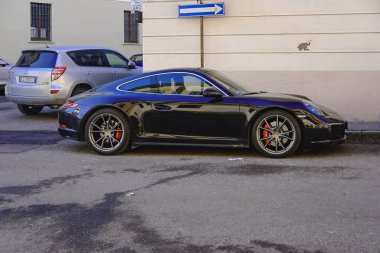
(195, 107)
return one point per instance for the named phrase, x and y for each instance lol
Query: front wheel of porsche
(276, 134)
(107, 132)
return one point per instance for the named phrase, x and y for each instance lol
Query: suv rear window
(37, 59)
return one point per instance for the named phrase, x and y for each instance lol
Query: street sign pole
(201, 10)
(202, 43)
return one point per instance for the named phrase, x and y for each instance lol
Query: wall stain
(304, 46)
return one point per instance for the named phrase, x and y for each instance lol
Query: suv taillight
(57, 73)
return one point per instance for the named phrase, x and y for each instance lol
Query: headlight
(314, 108)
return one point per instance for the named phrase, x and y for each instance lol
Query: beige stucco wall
(257, 42)
(74, 22)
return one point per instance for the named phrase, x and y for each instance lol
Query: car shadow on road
(45, 115)
(344, 150)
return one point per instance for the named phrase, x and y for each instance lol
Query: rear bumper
(35, 100)
(36, 94)
(69, 133)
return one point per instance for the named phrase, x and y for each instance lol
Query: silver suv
(48, 76)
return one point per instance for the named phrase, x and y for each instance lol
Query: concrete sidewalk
(363, 132)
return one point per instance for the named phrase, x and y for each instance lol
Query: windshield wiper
(254, 93)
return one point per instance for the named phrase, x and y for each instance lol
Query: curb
(363, 136)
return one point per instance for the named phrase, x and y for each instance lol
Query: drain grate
(29, 137)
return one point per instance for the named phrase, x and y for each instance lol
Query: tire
(107, 132)
(78, 90)
(276, 134)
(29, 109)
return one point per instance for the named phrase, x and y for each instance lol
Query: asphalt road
(58, 196)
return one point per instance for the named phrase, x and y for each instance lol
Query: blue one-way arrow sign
(197, 10)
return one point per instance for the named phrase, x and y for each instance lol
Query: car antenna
(46, 45)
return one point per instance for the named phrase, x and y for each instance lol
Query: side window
(91, 58)
(184, 84)
(147, 84)
(115, 60)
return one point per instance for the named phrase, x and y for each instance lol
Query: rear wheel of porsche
(107, 132)
(276, 134)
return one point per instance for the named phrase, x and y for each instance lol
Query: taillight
(69, 104)
(57, 73)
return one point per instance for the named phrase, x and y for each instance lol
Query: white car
(4, 73)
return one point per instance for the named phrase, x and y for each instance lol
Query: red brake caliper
(266, 133)
(118, 134)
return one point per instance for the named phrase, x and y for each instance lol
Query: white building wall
(74, 22)
(257, 43)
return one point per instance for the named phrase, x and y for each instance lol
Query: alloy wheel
(276, 134)
(106, 132)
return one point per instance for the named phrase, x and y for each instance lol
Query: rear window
(37, 59)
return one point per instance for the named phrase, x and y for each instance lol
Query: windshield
(227, 83)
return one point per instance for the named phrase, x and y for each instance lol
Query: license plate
(27, 79)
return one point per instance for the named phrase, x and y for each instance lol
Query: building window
(130, 27)
(40, 21)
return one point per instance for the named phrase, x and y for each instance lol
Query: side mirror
(212, 92)
(131, 65)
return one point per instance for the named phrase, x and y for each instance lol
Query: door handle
(162, 107)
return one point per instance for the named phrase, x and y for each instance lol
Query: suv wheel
(30, 109)
(79, 89)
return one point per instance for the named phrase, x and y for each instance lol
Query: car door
(180, 111)
(119, 65)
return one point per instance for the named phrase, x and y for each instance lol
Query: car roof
(68, 48)
(175, 70)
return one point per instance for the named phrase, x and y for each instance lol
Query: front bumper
(333, 133)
